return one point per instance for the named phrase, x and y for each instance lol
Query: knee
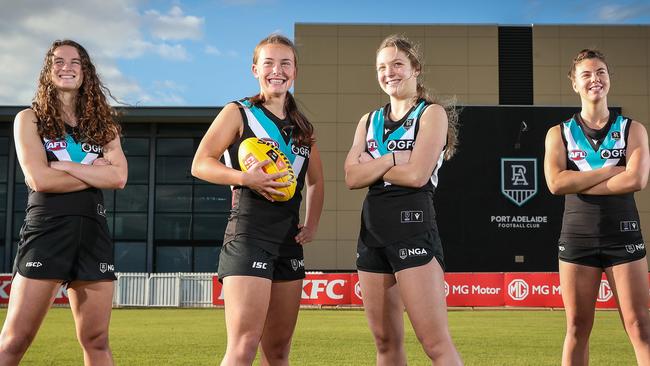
(244, 347)
(638, 329)
(387, 343)
(94, 341)
(277, 351)
(579, 327)
(436, 346)
(15, 345)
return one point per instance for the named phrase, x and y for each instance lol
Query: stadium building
(510, 82)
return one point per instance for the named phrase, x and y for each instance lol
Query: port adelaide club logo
(519, 179)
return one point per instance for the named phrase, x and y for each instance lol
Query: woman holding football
(396, 153)
(261, 263)
(598, 159)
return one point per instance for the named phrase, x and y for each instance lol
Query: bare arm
(103, 176)
(33, 161)
(635, 176)
(429, 143)
(223, 131)
(358, 174)
(559, 179)
(315, 194)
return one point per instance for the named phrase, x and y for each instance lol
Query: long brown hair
(412, 51)
(95, 117)
(586, 54)
(303, 132)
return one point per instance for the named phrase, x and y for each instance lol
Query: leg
(91, 303)
(630, 284)
(246, 301)
(579, 285)
(385, 313)
(280, 322)
(29, 302)
(423, 293)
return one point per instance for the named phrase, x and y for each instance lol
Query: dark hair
(96, 118)
(303, 132)
(412, 51)
(586, 54)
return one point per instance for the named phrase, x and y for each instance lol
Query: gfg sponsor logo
(393, 145)
(518, 289)
(612, 153)
(333, 289)
(87, 148)
(300, 150)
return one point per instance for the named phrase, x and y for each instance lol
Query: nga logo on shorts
(104, 267)
(412, 252)
(631, 248)
(297, 263)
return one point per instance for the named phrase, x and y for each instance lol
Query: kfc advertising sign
(5, 289)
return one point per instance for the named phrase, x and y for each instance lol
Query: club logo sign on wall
(519, 179)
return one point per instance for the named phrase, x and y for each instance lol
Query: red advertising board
(5, 289)
(532, 289)
(474, 289)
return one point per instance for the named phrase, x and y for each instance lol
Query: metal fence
(163, 289)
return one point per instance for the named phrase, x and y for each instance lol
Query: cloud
(174, 25)
(165, 92)
(110, 31)
(615, 13)
(211, 50)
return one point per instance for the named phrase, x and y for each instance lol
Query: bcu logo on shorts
(519, 179)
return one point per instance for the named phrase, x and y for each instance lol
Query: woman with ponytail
(261, 263)
(396, 153)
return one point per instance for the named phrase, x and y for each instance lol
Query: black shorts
(413, 252)
(601, 256)
(67, 248)
(242, 257)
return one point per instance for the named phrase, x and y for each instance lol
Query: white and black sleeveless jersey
(598, 220)
(253, 215)
(88, 202)
(392, 212)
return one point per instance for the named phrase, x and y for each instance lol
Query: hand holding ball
(254, 150)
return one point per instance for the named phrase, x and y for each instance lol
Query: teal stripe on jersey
(378, 127)
(272, 130)
(74, 149)
(594, 158)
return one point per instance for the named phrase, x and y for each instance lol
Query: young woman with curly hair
(68, 146)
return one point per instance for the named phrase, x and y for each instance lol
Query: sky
(199, 53)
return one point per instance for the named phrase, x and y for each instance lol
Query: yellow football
(253, 150)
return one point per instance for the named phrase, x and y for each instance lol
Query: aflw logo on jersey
(56, 145)
(576, 155)
(371, 145)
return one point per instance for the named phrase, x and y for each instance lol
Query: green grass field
(328, 337)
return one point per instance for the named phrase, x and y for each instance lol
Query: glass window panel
(19, 218)
(110, 220)
(3, 168)
(135, 146)
(130, 257)
(132, 198)
(206, 259)
(19, 176)
(2, 260)
(173, 198)
(3, 222)
(109, 199)
(184, 129)
(3, 198)
(14, 250)
(173, 226)
(212, 198)
(175, 147)
(136, 129)
(210, 226)
(4, 146)
(173, 170)
(138, 169)
(130, 226)
(20, 197)
(173, 259)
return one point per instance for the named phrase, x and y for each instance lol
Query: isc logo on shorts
(260, 265)
(33, 264)
(415, 252)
